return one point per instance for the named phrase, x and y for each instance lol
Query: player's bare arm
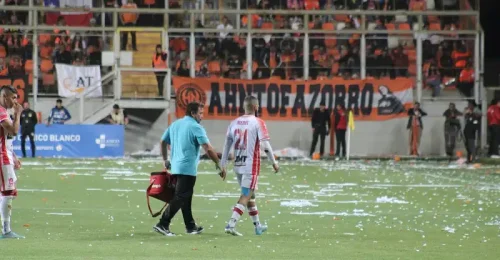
(10, 127)
(164, 153)
(270, 154)
(227, 149)
(213, 156)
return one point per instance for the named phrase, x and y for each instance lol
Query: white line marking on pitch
(61, 214)
(33, 190)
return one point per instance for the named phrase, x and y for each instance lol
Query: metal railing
(249, 32)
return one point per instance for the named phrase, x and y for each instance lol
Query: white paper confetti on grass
(297, 203)
(386, 199)
(449, 230)
(493, 223)
(301, 186)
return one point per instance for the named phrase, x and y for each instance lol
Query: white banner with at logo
(72, 81)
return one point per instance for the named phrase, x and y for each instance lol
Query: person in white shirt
(224, 28)
(245, 135)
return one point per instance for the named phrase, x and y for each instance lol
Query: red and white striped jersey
(4, 149)
(245, 134)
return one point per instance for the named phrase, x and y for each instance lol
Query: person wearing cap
(160, 62)
(118, 116)
(320, 122)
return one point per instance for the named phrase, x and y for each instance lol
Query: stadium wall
(369, 138)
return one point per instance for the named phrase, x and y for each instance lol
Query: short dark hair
(8, 88)
(116, 106)
(193, 107)
(59, 100)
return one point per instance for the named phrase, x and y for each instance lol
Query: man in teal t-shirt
(185, 137)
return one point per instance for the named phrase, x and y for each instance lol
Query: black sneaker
(195, 231)
(162, 230)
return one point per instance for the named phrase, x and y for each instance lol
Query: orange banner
(294, 100)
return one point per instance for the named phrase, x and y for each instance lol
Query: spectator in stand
(78, 61)
(401, 62)
(63, 56)
(234, 66)
(160, 62)
(4, 69)
(183, 70)
(434, 80)
(341, 119)
(225, 35)
(118, 116)
(494, 128)
(78, 45)
(129, 20)
(415, 126)
(384, 65)
(466, 81)
(59, 114)
(95, 45)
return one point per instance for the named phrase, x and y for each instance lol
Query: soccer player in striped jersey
(8, 162)
(246, 134)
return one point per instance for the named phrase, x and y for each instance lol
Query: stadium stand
(273, 55)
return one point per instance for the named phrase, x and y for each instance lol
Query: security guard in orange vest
(160, 62)
(129, 20)
(466, 80)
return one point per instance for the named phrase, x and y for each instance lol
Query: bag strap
(154, 215)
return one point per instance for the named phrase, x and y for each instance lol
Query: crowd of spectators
(388, 55)
(223, 54)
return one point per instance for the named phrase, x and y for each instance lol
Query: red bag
(161, 187)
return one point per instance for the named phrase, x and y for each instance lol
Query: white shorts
(248, 181)
(8, 178)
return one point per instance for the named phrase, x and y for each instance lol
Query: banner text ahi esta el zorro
(294, 100)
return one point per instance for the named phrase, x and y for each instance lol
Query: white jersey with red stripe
(6, 150)
(246, 133)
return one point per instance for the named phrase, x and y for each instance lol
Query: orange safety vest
(158, 62)
(467, 75)
(460, 58)
(129, 17)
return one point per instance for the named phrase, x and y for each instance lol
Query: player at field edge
(245, 135)
(8, 160)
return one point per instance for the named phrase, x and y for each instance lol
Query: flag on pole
(350, 123)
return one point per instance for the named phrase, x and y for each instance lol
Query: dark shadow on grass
(153, 236)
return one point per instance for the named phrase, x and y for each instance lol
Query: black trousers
(470, 142)
(451, 133)
(31, 136)
(340, 136)
(318, 133)
(494, 131)
(182, 200)
(125, 38)
(160, 78)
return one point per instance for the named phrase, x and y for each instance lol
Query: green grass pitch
(96, 209)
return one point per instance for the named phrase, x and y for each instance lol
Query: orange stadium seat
(48, 79)
(46, 65)
(28, 66)
(435, 27)
(328, 26)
